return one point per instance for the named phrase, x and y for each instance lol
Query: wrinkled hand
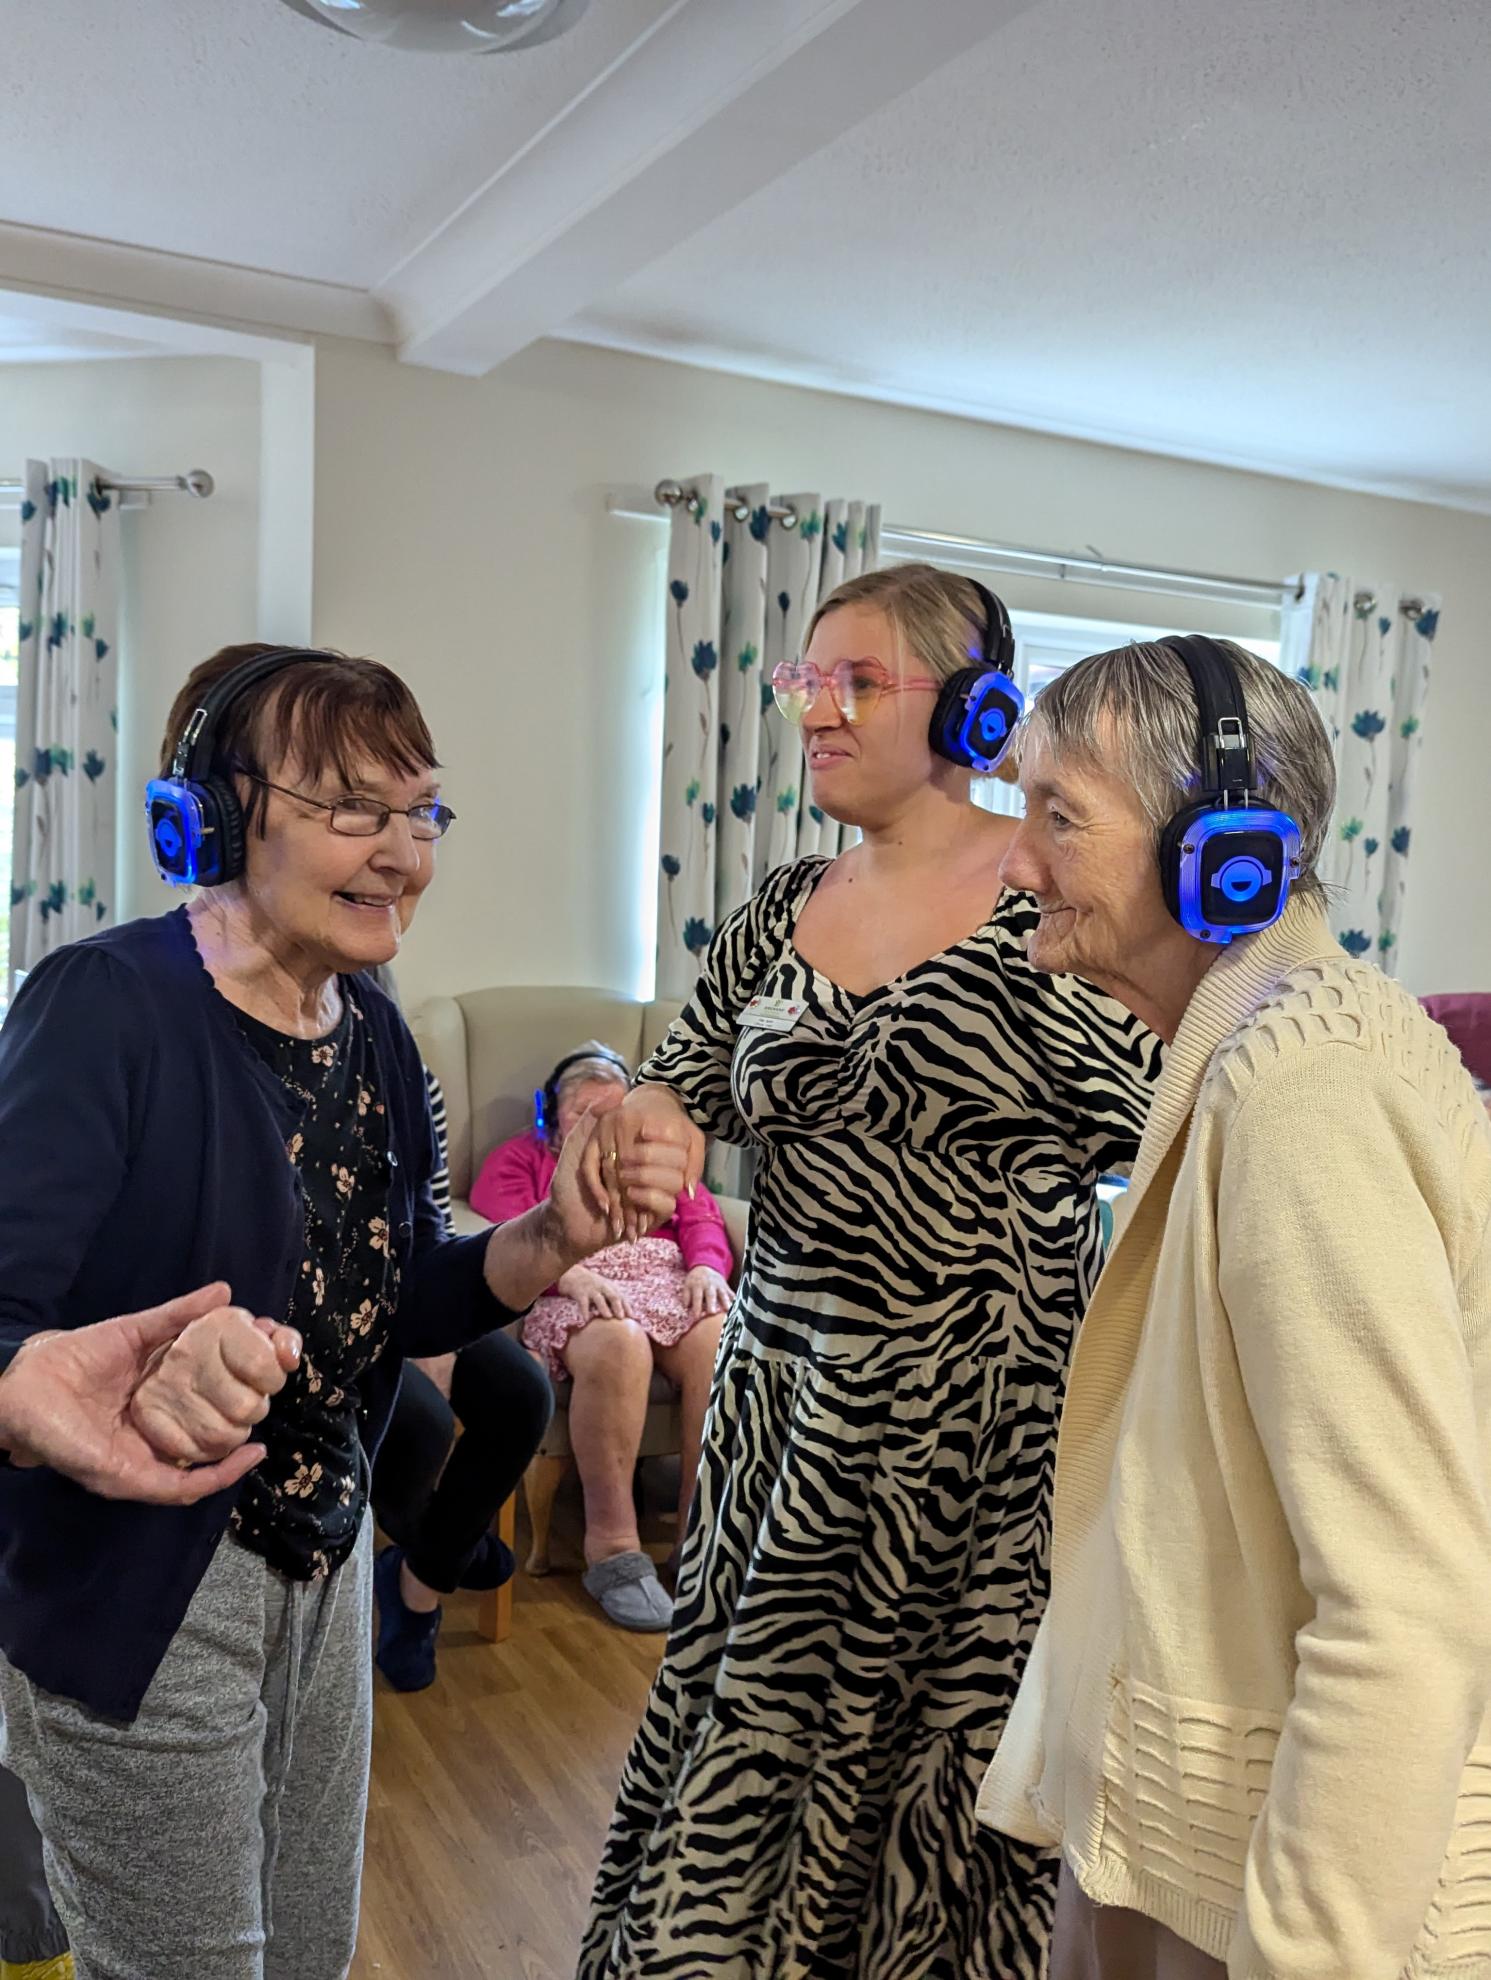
(597, 1298)
(65, 1402)
(212, 1384)
(581, 1218)
(646, 1123)
(705, 1292)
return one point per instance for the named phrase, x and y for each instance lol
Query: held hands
(67, 1401)
(205, 1390)
(649, 1127)
(621, 1175)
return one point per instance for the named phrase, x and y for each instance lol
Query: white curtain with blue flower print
(62, 874)
(742, 587)
(1364, 651)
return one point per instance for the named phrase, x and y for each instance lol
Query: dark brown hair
(328, 711)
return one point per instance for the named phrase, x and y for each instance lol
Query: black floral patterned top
(302, 1506)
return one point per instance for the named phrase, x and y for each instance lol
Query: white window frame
(1047, 643)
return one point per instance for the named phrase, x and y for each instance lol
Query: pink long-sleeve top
(517, 1175)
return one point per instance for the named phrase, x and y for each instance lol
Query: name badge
(772, 1013)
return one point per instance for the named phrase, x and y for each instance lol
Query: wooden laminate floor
(491, 1791)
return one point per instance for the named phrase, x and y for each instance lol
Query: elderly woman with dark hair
(223, 1094)
(1257, 1717)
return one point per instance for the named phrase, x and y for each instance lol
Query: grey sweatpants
(1101, 1942)
(221, 1833)
(29, 1927)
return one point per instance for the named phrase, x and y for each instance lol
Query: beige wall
(461, 534)
(191, 568)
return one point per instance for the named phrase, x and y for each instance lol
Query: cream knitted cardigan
(1257, 1709)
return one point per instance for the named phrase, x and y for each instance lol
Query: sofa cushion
(515, 1038)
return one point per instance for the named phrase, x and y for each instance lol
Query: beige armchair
(491, 1050)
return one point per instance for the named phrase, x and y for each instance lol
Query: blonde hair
(936, 615)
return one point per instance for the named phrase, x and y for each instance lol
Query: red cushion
(1466, 1016)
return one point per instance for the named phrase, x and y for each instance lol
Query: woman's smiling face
(1086, 850)
(345, 900)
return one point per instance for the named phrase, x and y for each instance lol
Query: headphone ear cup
(229, 843)
(975, 718)
(997, 716)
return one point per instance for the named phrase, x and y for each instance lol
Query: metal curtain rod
(1093, 569)
(196, 482)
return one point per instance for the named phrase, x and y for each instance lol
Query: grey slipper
(629, 1591)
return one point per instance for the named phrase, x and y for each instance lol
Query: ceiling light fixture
(446, 27)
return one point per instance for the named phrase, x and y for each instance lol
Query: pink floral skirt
(651, 1270)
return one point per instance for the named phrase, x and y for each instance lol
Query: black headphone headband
(198, 741)
(546, 1100)
(1225, 744)
(999, 637)
(580, 1058)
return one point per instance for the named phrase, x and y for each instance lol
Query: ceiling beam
(716, 102)
(111, 274)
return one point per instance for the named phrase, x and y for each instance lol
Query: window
(1046, 646)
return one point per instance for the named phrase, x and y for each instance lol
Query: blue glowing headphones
(546, 1100)
(197, 834)
(978, 708)
(1226, 862)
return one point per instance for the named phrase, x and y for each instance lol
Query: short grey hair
(1138, 701)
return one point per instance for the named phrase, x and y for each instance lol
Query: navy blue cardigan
(142, 1154)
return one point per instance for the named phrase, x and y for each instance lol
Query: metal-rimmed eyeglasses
(365, 817)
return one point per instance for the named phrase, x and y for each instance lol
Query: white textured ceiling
(1255, 231)
(1258, 233)
(237, 131)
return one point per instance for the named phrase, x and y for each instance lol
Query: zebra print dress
(866, 1563)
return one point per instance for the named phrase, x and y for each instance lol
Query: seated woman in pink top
(656, 1303)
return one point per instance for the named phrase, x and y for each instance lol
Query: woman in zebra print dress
(866, 1563)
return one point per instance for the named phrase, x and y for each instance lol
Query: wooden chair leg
(540, 1483)
(495, 1611)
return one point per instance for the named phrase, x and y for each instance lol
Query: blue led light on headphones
(1235, 868)
(980, 707)
(179, 837)
(1227, 862)
(1242, 879)
(197, 832)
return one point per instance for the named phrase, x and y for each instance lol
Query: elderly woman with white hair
(1255, 1721)
(654, 1301)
